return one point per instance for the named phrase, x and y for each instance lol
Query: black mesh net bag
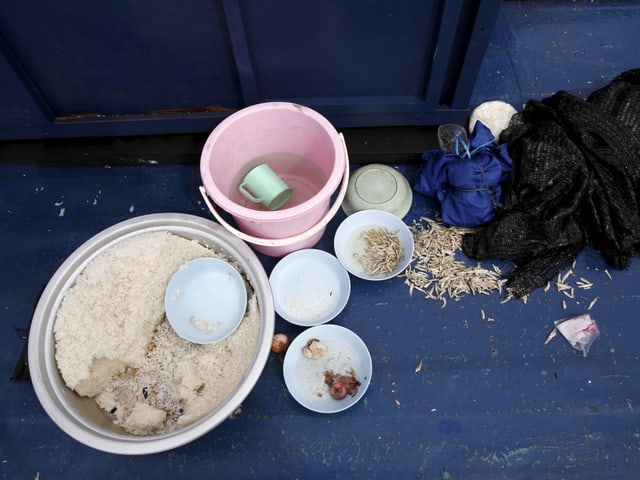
(576, 180)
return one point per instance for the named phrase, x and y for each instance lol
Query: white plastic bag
(580, 331)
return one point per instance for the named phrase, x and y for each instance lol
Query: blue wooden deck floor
(490, 401)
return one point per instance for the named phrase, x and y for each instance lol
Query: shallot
(280, 343)
(341, 385)
(338, 390)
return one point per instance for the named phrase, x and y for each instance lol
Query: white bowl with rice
(310, 287)
(374, 245)
(99, 334)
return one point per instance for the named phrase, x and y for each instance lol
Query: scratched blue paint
(491, 400)
(539, 48)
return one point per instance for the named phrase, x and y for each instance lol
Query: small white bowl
(309, 287)
(205, 300)
(346, 354)
(380, 187)
(348, 244)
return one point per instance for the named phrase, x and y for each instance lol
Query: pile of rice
(114, 343)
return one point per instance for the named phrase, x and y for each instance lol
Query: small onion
(350, 383)
(280, 343)
(338, 390)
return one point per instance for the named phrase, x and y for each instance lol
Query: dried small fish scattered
(584, 284)
(382, 253)
(418, 367)
(569, 291)
(435, 271)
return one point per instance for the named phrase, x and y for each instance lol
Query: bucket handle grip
(279, 242)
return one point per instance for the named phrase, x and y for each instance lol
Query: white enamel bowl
(194, 289)
(305, 377)
(309, 287)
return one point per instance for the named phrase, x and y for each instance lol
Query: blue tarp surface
(491, 399)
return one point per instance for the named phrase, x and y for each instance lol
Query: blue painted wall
(73, 68)
(130, 67)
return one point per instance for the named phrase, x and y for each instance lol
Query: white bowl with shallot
(374, 245)
(327, 368)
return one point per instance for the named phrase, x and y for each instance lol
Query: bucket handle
(279, 242)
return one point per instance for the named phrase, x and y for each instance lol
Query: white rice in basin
(114, 343)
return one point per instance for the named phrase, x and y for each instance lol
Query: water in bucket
(304, 177)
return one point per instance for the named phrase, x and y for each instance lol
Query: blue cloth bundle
(467, 181)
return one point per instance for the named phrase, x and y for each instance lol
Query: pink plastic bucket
(302, 147)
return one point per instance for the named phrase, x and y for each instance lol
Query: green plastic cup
(263, 185)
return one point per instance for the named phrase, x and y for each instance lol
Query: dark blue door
(77, 68)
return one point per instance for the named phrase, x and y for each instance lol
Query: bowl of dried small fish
(374, 245)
